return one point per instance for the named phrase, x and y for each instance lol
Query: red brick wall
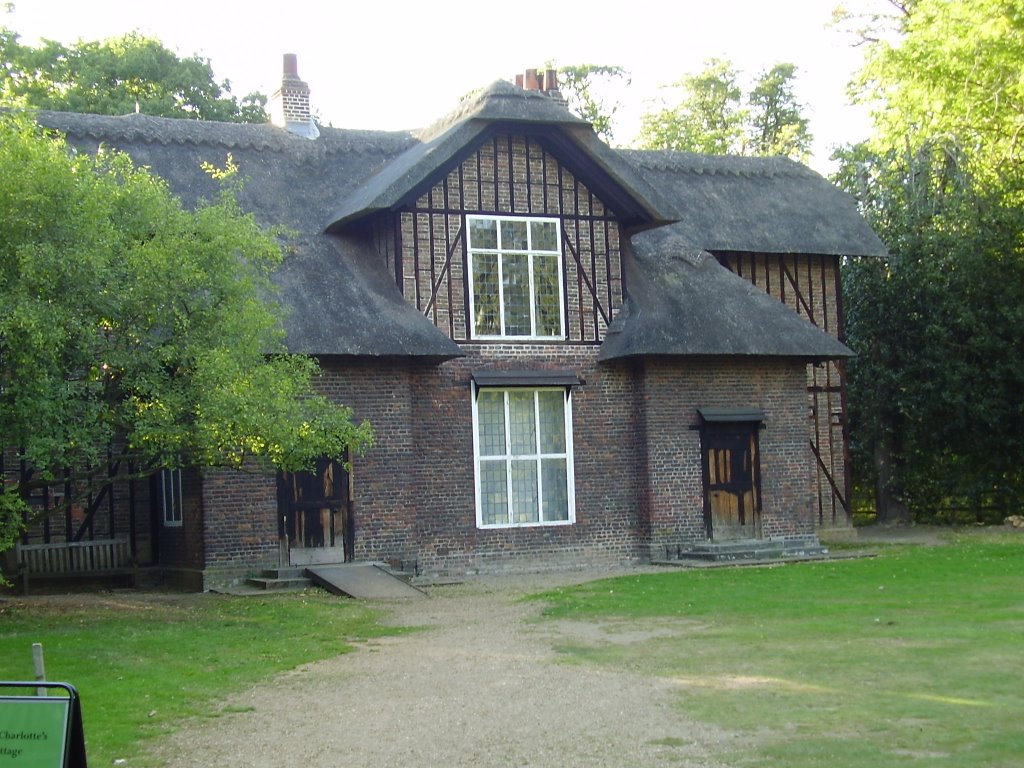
(672, 393)
(239, 523)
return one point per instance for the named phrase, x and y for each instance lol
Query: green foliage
(709, 117)
(934, 394)
(712, 116)
(776, 125)
(119, 76)
(127, 320)
(13, 510)
(147, 666)
(896, 660)
(582, 86)
(952, 74)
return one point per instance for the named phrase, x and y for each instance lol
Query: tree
(713, 117)
(775, 123)
(934, 394)
(128, 323)
(708, 119)
(583, 85)
(953, 72)
(119, 76)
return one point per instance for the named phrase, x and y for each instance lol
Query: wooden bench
(61, 560)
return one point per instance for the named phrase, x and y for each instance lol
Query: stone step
(783, 547)
(278, 584)
(280, 579)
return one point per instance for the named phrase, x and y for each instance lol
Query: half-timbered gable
(510, 181)
(569, 354)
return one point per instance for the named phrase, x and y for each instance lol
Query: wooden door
(732, 503)
(314, 514)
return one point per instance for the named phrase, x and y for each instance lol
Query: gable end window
(515, 278)
(170, 495)
(522, 444)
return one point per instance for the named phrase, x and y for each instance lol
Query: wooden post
(37, 660)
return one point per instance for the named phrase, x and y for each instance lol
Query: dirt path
(481, 686)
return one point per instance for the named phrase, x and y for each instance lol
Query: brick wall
(672, 393)
(637, 461)
(239, 524)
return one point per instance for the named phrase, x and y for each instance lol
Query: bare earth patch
(479, 686)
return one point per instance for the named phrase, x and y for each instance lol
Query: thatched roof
(682, 302)
(755, 205)
(446, 143)
(343, 300)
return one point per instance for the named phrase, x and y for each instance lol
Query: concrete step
(779, 548)
(280, 579)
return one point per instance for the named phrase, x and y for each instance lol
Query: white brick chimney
(289, 106)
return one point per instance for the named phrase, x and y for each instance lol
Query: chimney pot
(291, 65)
(550, 80)
(530, 82)
(519, 81)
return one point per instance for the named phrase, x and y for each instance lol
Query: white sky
(395, 64)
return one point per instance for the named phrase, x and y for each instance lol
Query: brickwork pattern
(672, 391)
(238, 523)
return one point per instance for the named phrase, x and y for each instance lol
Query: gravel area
(481, 686)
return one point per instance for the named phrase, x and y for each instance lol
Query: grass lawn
(144, 664)
(912, 658)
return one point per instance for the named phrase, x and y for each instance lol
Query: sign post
(41, 731)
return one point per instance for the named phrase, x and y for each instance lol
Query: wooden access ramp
(362, 580)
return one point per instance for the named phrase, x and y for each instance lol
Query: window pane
(552, 422)
(491, 417)
(493, 493)
(524, 492)
(545, 235)
(522, 427)
(487, 320)
(545, 285)
(483, 233)
(556, 493)
(516, 276)
(513, 235)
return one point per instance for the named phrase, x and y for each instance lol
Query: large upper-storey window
(515, 278)
(523, 446)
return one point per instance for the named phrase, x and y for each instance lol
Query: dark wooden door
(314, 514)
(732, 503)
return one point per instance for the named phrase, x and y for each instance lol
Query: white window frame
(530, 252)
(509, 457)
(171, 498)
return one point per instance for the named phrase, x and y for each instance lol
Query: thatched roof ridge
(449, 140)
(137, 128)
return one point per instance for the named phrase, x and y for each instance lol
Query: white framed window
(515, 278)
(171, 498)
(522, 445)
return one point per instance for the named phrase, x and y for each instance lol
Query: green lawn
(143, 666)
(912, 658)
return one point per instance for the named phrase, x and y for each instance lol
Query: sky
(401, 64)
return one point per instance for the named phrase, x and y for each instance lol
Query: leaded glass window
(523, 443)
(171, 497)
(515, 278)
